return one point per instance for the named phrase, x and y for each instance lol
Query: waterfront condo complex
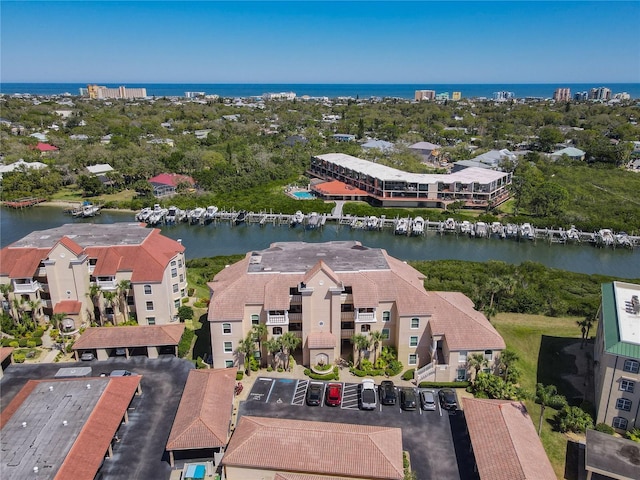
(389, 187)
(96, 273)
(324, 293)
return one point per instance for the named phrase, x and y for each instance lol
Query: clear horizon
(332, 42)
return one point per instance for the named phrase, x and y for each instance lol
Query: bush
(318, 376)
(394, 368)
(239, 375)
(322, 368)
(444, 384)
(604, 428)
(408, 375)
(280, 369)
(253, 364)
(634, 435)
(185, 313)
(185, 342)
(269, 368)
(573, 419)
(366, 373)
(39, 332)
(488, 385)
(31, 343)
(200, 364)
(22, 342)
(19, 357)
(185, 300)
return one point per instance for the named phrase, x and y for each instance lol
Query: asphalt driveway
(436, 441)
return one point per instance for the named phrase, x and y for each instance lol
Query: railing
(29, 287)
(347, 333)
(295, 317)
(422, 374)
(296, 298)
(297, 333)
(107, 284)
(365, 317)
(347, 316)
(278, 319)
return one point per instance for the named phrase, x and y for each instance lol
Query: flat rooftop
(628, 311)
(611, 456)
(36, 436)
(87, 235)
(299, 257)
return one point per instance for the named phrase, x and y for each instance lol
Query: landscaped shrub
(22, 342)
(185, 342)
(31, 343)
(38, 332)
(185, 300)
(408, 375)
(326, 376)
(239, 375)
(444, 384)
(604, 428)
(322, 368)
(185, 313)
(200, 364)
(253, 364)
(14, 343)
(269, 368)
(366, 373)
(634, 434)
(573, 419)
(19, 357)
(280, 369)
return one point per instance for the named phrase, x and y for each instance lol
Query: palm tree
(110, 301)
(585, 326)
(507, 359)
(122, 291)
(94, 295)
(289, 342)
(56, 319)
(361, 343)
(5, 290)
(260, 332)
(34, 305)
(376, 339)
(273, 346)
(477, 362)
(246, 348)
(545, 396)
(18, 309)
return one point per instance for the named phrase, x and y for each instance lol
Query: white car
(368, 400)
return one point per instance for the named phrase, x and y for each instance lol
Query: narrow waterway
(225, 239)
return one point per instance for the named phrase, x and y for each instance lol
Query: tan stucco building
(326, 292)
(96, 273)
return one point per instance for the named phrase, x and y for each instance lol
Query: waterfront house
(21, 165)
(324, 293)
(166, 184)
(45, 148)
(97, 272)
(571, 152)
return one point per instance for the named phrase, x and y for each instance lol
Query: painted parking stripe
(301, 392)
(350, 396)
(273, 384)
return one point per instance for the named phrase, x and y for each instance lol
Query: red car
(334, 394)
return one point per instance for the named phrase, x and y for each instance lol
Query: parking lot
(436, 440)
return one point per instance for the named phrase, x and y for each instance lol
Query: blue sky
(319, 42)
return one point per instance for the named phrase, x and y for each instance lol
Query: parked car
(408, 399)
(121, 351)
(87, 356)
(387, 391)
(428, 400)
(448, 399)
(334, 394)
(314, 393)
(368, 394)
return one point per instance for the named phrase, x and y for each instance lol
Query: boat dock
(24, 202)
(419, 227)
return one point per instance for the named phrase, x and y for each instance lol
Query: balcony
(107, 284)
(296, 298)
(365, 317)
(347, 316)
(278, 319)
(295, 317)
(347, 333)
(26, 287)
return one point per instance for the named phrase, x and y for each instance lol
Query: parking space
(436, 440)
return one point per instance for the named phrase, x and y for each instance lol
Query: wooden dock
(24, 202)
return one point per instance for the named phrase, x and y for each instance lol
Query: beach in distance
(360, 90)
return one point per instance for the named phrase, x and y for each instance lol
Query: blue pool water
(303, 195)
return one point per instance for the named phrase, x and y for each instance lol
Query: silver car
(428, 400)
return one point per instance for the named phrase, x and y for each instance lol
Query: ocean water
(363, 91)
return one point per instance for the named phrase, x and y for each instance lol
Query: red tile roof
(324, 448)
(321, 340)
(172, 179)
(4, 353)
(71, 245)
(71, 307)
(21, 262)
(205, 409)
(505, 442)
(336, 187)
(45, 147)
(131, 336)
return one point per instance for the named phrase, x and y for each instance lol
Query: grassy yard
(538, 340)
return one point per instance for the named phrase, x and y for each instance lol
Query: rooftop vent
(24, 424)
(64, 423)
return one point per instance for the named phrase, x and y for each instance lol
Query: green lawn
(538, 341)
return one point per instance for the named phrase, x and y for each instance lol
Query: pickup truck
(368, 394)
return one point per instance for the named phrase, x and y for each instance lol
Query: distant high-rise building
(622, 96)
(562, 95)
(193, 94)
(425, 95)
(442, 96)
(600, 93)
(581, 96)
(456, 96)
(501, 96)
(100, 92)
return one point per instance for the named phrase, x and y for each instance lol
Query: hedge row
(185, 342)
(22, 342)
(444, 384)
(327, 376)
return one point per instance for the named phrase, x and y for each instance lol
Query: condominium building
(600, 93)
(100, 92)
(562, 95)
(324, 293)
(425, 95)
(456, 96)
(96, 273)
(617, 357)
(390, 187)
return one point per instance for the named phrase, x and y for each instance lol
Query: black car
(314, 394)
(448, 399)
(387, 393)
(408, 399)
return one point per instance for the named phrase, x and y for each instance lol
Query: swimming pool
(303, 195)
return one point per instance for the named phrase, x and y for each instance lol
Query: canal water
(225, 239)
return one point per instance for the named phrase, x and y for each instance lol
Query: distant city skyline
(320, 42)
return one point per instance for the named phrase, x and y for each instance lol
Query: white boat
(313, 220)
(89, 210)
(482, 230)
(623, 240)
(157, 215)
(573, 235)
(511, 230)
(297, 218)
(143, 215)
(372, 222)
(209, 213)
(174, 215)
(417, 226)
(465, 227)
(497, 229)
(526, 231)
(449, 225)
(605, 237)
(402, 226)
(195, 215)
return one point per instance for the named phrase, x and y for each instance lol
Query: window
(461, 375)
(413, 359)
(149, 306)
(174, 272)
(627, 385)
(173, 263)
(488, 355)
(181, 278)
(175, 288)
(228, 363)
(176, 304)
(348, 290)
(183, 293)
(462, 356)
(277, 330)
(180, 263)
(385, 333)
(226, 329)
(631, 366)
(623, 404)
(386, 316)
(228, 347)
(620, 422)
(346, 307)
(147, 289)
(151, 320)
(413, 341)
(415, 323)
(366, 328)
(255, 319)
